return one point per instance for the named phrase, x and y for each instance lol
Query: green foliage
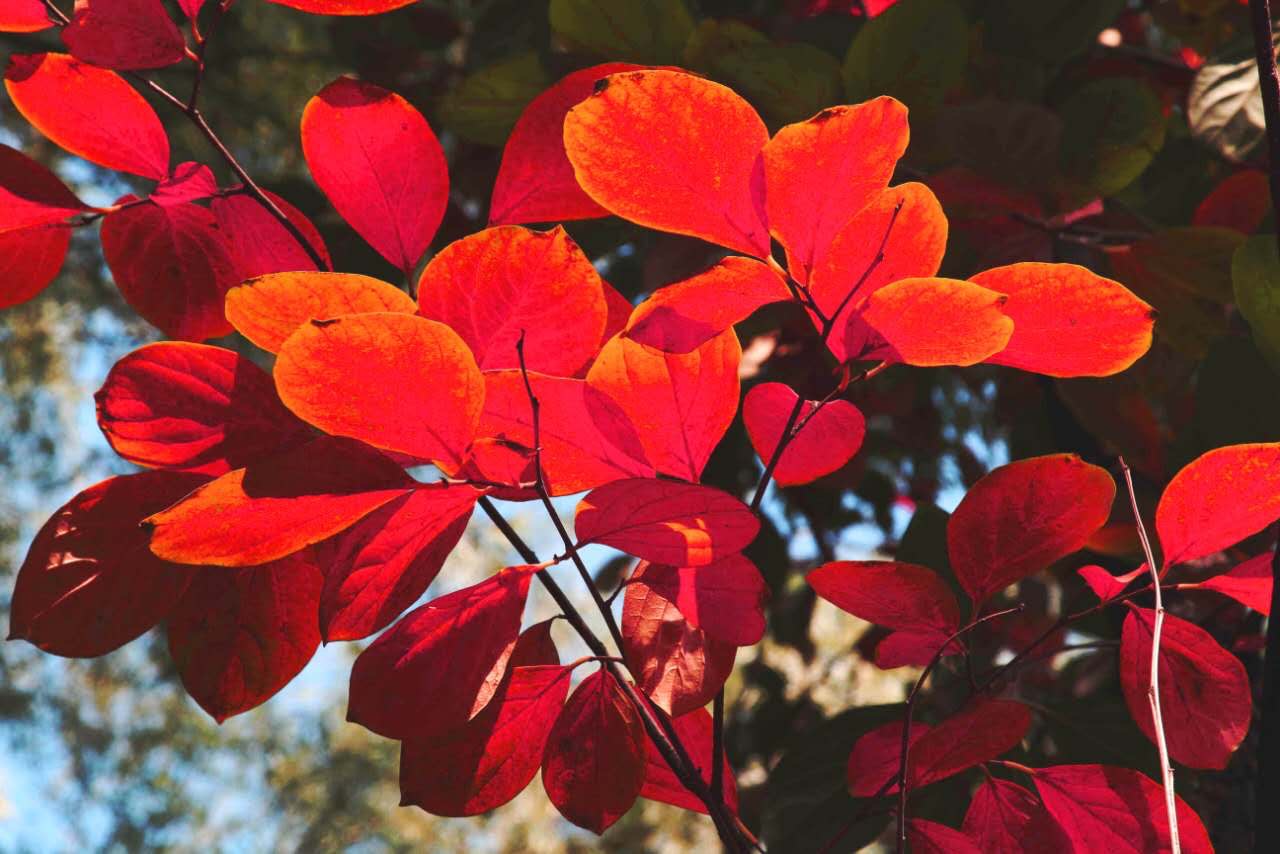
(915, 51)
(1112, 129)
(621, 30)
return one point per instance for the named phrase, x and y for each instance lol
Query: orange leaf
(682, 316)
(268, 309)
(828, 437)
(1068, 321)
(23, 16)
(399, 382)
(820, 172)
(504, 282)
(929, 322)
(673, 152)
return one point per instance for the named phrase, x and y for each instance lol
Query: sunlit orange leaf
(380, 164)
(594, 764)
(673, 152)
(30, 194)
(576, 454)
(820, 172)
(1205, 699)
(1249, 583)
(89, 583)
(1069, 321)
(23, 16)
(725, 599)
(682, 316)
(1024, 516)
(829, 437)
(680, 524)
(30, 258)
(1219, 499)
(193, 407)
(344, 7)
(277, 506)
(422, 676)
(535, 182)
(502, 283)
(680, 405)
(1240, 202)
(490, 759)
(396, 381)
(661, 783)
(173, 265)
(381, 565)
(929, 322)
(124, 34)
(240, 635)
(90, 112)
(268, 309)
(502, 465)
(259, 243)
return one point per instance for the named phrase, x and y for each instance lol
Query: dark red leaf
(661, 783)
(1024, 516)
(124, 34)
(1249, 583)
(1205, 699)
(828, 437)
(193, 407)
(929, 837)
(594, 764)
(1240, 202)
(189, 182)
(877, 756)
(30, 194)
(1005, 818)
(89, 583)
(259, 243)
(422, 677)
(385, 562)
(240, 635)
(680, 524)
(1105, 585)
(913, 648)
(725, 599)
(894, 595)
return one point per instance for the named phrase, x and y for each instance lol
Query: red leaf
(1105, 585)
(30, 258)
(501, 283)
(1205, 699)
(422, 677)
(576, 454)
(822, 171)
(680, 524)
(191, 8)
(1005, 818)
(828, 438)
(679, 405)
(1024, 516)
(278, 505)
(913, 648)
(189, 182)
(193, 407)
(259, 243)
(594, 764)
(677, 666)
(1117, 810)
(380, 164)
(343, 7)
(682, 316)
(929, 322)
(619, 310)
(385, 562)
(660, 782)
(929, 837)
(396, 381)
(982, 731)
(268, 309)
(1241, 201)
(1068, 321)
(172, 264)
(23, 16)
(240, 635)
(89, 583)
(504, 462)
(90, 112)
(1248, 582)
(535, 182)
(30, 194)
(725, 599)
(490, 759)
(1218, 499)
(124, 34)
(696, 171)
(894, 595)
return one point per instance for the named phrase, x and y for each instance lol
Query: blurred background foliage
(1088, 131)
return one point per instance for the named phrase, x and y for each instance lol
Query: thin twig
(875, 262)
(1153, 688)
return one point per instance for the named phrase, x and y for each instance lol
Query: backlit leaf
(503, 283)
(1249, 582)
(660, 782)
(894, 595)
(380, 164)
(89, 583)
(278, 505)
(188, 182)
(124, 34)
(828, 438)
(725, 599)
(1105, 585)
(23, 16)
(259, 243)
(1005, 818)
(930, 837)
(90, 112)
(696, 171)
(30, 258)
(929, 322)
(680, 524)
(30, 194)
(344, 7)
